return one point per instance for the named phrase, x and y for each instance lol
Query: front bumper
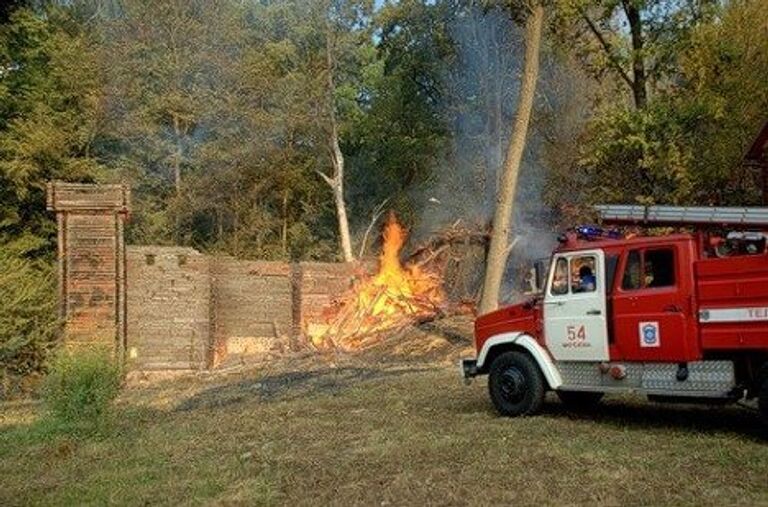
(468, 368)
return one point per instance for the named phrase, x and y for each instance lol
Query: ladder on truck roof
(682, 215)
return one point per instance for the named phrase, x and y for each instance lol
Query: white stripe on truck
(753, 314)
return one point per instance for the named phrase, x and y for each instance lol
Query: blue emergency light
(592, 233)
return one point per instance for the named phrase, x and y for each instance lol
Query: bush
(80, 387)
(29, 326)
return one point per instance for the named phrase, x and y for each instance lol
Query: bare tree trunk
(341, 212)
(336, 181)
(500, 245)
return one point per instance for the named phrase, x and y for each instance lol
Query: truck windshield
(560, 277)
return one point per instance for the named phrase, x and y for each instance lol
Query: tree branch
(608, 49)
(326, 178)
(377, 212)
(512, 244)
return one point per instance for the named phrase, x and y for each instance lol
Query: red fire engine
(679, 317)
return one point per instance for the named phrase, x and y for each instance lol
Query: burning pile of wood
(394, 298)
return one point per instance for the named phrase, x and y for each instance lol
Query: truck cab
(677, 317)
(638, 290)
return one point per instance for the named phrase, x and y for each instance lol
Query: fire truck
(679, 317)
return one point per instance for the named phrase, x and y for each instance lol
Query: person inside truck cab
(659, 268)
(587, 280)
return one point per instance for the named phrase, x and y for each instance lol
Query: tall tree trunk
(638, 64)
(336, 181)
(499, 247)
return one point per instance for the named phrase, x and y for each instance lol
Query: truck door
(575, 309)
(651, 307)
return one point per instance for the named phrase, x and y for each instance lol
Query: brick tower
(91, 253)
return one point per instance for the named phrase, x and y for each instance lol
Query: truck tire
(516, 384)
(579, 400)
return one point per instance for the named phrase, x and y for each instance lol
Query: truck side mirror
(533, 280)
(537, 276)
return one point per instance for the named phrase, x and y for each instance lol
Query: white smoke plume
(482, 91)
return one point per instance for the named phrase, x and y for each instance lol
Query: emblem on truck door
(649, 334)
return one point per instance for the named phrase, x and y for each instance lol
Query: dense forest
(247, 127)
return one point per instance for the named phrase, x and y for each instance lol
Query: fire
(396, 296)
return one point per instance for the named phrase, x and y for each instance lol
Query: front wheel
(516, 384)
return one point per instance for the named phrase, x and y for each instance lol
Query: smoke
(482, 85)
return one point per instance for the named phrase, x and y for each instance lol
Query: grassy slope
(400, 438)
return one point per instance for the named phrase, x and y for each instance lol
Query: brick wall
(169, 308)
(252, 305)
(172, 307)
(186, 310)
(316, 284)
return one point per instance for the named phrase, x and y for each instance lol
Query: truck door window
(659, 268)
(583, 274)
(560, 278)
(649, 269)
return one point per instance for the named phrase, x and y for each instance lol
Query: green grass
(79, 390)
(373, 437)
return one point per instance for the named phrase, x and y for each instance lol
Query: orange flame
(396, 295)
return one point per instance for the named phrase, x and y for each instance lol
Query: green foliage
(49, 115)
(686, 145)
(28, 323)
(597, 33)
(221, 121)
(216, 112)
(637, 157)
(724, 98)
(80, 387)
(395, 142)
